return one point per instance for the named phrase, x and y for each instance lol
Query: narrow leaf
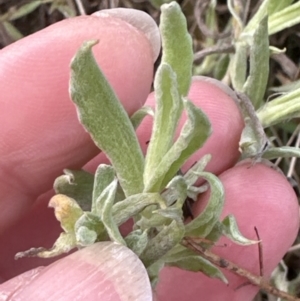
(103, 177)
(167, 113)
(196, 263)
(103, 116)
(278, 5)
(238, 65)
(257, 18)
(232, 231)
(164, 241)
(285, 18)
(124, 210)
(193, 135)
(64, 244)
(283, 151)
(192, 175)
(280, 109)
(137, 241)
(203, 224)
(104, 205)
(12, 31)
(139, 115)
(25, 10)
(257, 80)
(177, 44)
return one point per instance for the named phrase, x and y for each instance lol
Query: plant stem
(230, 266)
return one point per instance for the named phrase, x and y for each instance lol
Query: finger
(258, 196)
(103, 271)
(41, 133)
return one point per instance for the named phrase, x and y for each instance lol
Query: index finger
(40, 133)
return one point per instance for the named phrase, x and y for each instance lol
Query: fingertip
(103, 271)
(226, 120)
(42, 134)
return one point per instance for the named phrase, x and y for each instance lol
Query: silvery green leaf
(138, 116)
(231, 230)
(92, 223)
(278, 5)
(167, 113)
(64, 244)
(188, 260)
(194, 191)
(103, 116)
(176, 191)
(24, 10)
(154, 221)
(191, 176)
(195, 263)
(171, 213)
(12, 31)
(287, 88)
(202, 225)
(221, 67)
(164, 241)
(137, 241)
(213, 235)
(85, 236)
(134, 204)
(238, 65)
(280, 109)
(283, 151)
(177, 44)
(66, 211)
(194, 133)
(104, 208)
(104, 175)
(256, 19)
(257, 80)
(274, 50)
(285, 18)
(76, 184)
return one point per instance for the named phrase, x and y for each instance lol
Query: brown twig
(260, 254)
(230, 266)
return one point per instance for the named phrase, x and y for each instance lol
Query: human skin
(40, 136)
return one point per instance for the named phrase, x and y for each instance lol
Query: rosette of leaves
(150, 190)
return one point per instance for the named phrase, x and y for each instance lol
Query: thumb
(104, 271)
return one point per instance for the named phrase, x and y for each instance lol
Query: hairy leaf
(103, 116)
(203, 224)
(177, 44)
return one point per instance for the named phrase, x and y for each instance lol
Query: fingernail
(140, 20)
(104, 271)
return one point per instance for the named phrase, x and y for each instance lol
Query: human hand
(41, 135)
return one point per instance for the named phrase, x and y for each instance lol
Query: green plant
(151, 190)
